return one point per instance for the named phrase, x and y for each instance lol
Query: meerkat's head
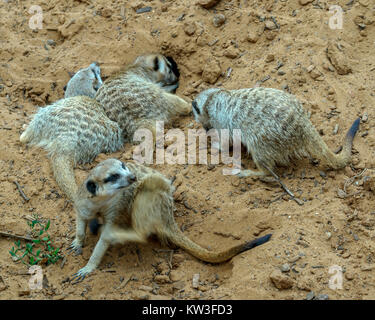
(162, 70)
(200, 105)
(85, 82)
(107, 179)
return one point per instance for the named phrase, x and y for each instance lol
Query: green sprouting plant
(40, 249)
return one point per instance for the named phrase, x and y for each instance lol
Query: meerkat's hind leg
(261, 172)
(249, 173)
(179, 105)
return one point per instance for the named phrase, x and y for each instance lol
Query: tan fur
(134, 213)
(275, 128)
(73, 130)
(85, 82)
(140, 94)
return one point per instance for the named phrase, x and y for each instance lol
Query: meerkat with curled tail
(74, 129)
(135, 203)
(274, 127)
(142, 93)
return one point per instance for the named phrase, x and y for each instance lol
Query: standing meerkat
(142, 93)
(74, 129)
(274, 127)
(135, 202)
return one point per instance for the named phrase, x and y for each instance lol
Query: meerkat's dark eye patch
(112, 178)
(173, 66)
(123, 165)
(64, 88)
(195, 106)
(156, 64)
(91, 187)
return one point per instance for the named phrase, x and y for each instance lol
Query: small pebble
(196, 280)
(310, 295)
(285, 267)
(144, 9)
(218, 20)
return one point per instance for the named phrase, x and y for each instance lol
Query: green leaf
(36, 241)
(41, 232)
(38, 252)
(47, 225)
(45, 238)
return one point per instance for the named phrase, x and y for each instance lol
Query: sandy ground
(281, 44)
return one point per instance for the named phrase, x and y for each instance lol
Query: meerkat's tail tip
(256, 242)
(353, 129)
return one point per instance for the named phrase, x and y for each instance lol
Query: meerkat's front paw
(81, 274)
(75, 247)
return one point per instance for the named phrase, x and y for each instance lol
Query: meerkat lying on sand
(274, 127)
(74, 130)
(141, 94)
(135, 202)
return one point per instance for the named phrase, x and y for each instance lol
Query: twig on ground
(6, 234)
(23, 195)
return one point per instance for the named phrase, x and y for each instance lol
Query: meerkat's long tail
(318, 148)
(62, 166)
(153, 200)
(175, 235)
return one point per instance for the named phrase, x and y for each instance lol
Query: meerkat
(85, 82)
(141, 94)
(135, 203)
(274, 126)
(74, 130)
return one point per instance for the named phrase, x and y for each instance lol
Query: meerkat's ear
(195, 106)
(156, 64)
(174, 66)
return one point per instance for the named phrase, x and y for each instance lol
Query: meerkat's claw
(75, 248)
(81, 274)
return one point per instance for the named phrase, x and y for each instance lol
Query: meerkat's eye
(112, 178)
(195, 106)
(156, 64)
(91, 187)
(123, 165)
